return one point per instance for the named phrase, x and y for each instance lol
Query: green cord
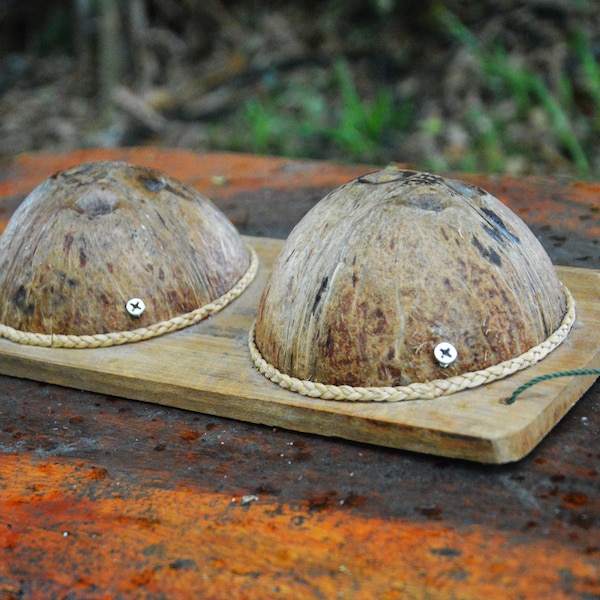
(527, 385)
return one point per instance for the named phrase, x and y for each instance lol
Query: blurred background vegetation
(492, 85)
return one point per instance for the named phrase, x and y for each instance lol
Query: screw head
(135, 307)
(445, 353)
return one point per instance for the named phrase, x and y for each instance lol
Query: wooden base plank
(207, 368)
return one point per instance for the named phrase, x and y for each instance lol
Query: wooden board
(207, 368)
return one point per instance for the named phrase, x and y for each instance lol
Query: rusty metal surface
(267, 196)
(102, 497)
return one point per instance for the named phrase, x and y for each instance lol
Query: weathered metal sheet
(102, 497)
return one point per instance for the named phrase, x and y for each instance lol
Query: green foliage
(266, 127)
(309, 120)
(55, 35)
(300, 121)
(362, 126)
(515, 118)
(530, 92)
(591, 70)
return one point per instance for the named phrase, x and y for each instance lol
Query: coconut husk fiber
(92, 237)
(390, 265)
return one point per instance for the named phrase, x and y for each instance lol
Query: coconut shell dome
(91, 238)
(392, 264)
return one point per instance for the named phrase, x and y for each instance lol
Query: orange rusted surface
(216, 175)
(76, 527)
(268, 195)
(106, 498)
(109, 498)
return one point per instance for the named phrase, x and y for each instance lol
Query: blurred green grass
(442, 86)
(305, 121)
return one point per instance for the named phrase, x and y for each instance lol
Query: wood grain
(206, 368)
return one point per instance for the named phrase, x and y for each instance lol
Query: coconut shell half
(390, 265)
(90, 238)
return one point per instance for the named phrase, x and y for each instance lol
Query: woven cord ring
(417, 391)
(103, 340)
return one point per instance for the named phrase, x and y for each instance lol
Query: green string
(541, 378)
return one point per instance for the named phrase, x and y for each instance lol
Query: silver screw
(135, 307)
(445, 353)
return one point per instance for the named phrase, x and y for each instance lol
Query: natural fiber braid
(103, 340)
(417, 391)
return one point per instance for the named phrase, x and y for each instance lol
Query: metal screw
(445, 353)
(135, 307)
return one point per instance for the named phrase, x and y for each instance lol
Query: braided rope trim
(104, 340)
(417, 390)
